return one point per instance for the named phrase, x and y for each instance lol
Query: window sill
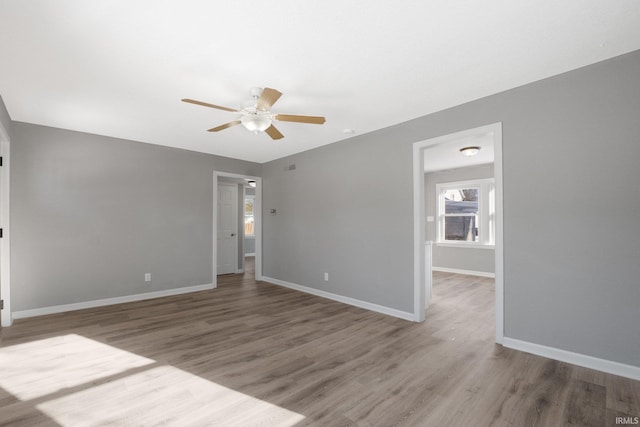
(465, 245)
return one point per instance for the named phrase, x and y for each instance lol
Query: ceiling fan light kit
(256, 122)
(256, 115)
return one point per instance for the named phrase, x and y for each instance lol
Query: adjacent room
(461, 227)
(291, 214)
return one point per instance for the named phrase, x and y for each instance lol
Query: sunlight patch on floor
(77, 381)
(39, 368)
(165, 395)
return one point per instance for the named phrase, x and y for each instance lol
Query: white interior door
(227, 252)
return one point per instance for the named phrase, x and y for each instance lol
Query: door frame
(6, 318)
(419, 221)
(257, 209)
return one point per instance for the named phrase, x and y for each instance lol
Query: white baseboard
(346, 300)
(615, 368)
(467, 272)
(108, 301)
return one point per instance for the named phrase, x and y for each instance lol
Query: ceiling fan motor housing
(255, 92)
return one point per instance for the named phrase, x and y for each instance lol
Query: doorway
(422, 267)
(237, 180)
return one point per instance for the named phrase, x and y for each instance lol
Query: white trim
(346, 300)
(465, 183)
(5, 243)
(428, 270)
(603, 365)
(419, 234)
(250, 254)
(468, 245)
(499, 221)
(257, 223)
(467, 272)
(109, 301)
(419, 220)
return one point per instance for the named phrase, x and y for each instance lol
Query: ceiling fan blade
(267, 98)
(224, 126)
(206, 104)
(273, 132)
(316, 120)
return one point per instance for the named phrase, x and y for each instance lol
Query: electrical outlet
(326, 277)
(147, 277)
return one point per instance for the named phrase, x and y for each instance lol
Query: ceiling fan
(255, 115)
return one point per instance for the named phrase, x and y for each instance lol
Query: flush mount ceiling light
(252, 184)
(470, 151)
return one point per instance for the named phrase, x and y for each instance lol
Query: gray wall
(250, 245)
(5, 120)
(344, 210)
(571, 207)
(472, 259)
(91, 214)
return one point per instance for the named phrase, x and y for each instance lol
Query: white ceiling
(119, 68)
(447, 155)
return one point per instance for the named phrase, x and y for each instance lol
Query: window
(249, 229)
(466, 213)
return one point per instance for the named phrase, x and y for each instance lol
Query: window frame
(486, 217)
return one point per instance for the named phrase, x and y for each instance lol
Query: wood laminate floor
(256, 354)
